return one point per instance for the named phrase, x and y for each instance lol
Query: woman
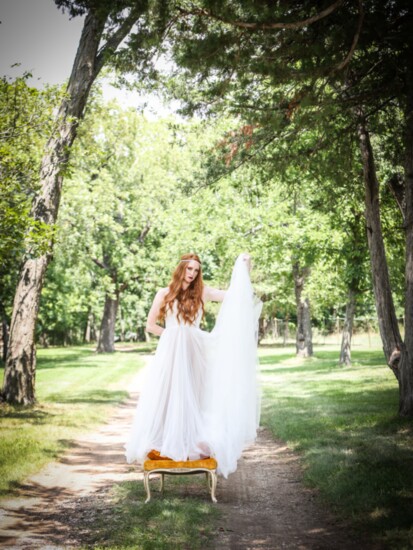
(201, 386)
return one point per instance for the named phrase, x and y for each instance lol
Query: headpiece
(191, 260)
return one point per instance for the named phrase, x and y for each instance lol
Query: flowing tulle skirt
(169, 416)
(201, 396)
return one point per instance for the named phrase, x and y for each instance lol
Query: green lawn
(344, 423)
(76, 389)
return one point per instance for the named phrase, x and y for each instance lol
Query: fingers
(247, 259)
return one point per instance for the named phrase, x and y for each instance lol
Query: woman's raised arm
(217, 295)
(213, 294)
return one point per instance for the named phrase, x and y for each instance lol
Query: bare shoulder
(162, 293)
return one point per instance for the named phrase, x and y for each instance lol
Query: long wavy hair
(188, 301)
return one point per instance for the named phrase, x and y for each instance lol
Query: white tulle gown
(201, 395)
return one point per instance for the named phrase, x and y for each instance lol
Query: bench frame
(211, 477)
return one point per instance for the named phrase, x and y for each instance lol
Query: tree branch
(356, 37)
(266, 26)
(397, 189)
(115, 39)
(236, 166)
(253, 230)
(101, 264)
(144, 232)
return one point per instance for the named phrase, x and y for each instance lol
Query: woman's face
(191, 271)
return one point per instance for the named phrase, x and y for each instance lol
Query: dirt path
(264, 504)
(96, 460)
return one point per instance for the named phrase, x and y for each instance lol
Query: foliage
(279, 177)
(136, 200)
(277, 173)
(26, 120)
(312, 77)
(307, 64)
(125, 178)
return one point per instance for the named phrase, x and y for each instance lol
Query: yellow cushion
(206, 463)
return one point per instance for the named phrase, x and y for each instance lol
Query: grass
(184, 518)
(76, 390)
(344, 423)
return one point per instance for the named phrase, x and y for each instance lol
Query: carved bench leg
(213, 479)
(146, 485)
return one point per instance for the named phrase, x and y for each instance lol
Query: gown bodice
(171, 319)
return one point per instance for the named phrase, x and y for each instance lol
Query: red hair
(189, 301)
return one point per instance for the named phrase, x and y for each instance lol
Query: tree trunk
(261, 328)
(406, 358)
(286, 335)
(86, 332)
(345, 354)
(4, 336)
(122, 325)
(107, 328)
(141, 334)
(89, 334)
(19, 374)
(304, 342)
(388, 326)
(19, 378)
(4, 339)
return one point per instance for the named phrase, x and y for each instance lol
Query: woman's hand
(247, 258)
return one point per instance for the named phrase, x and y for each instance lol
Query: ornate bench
(162, 465)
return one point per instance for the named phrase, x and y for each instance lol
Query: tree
(340, 199)
(348, 60)
(106, 26)
(25, 120)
